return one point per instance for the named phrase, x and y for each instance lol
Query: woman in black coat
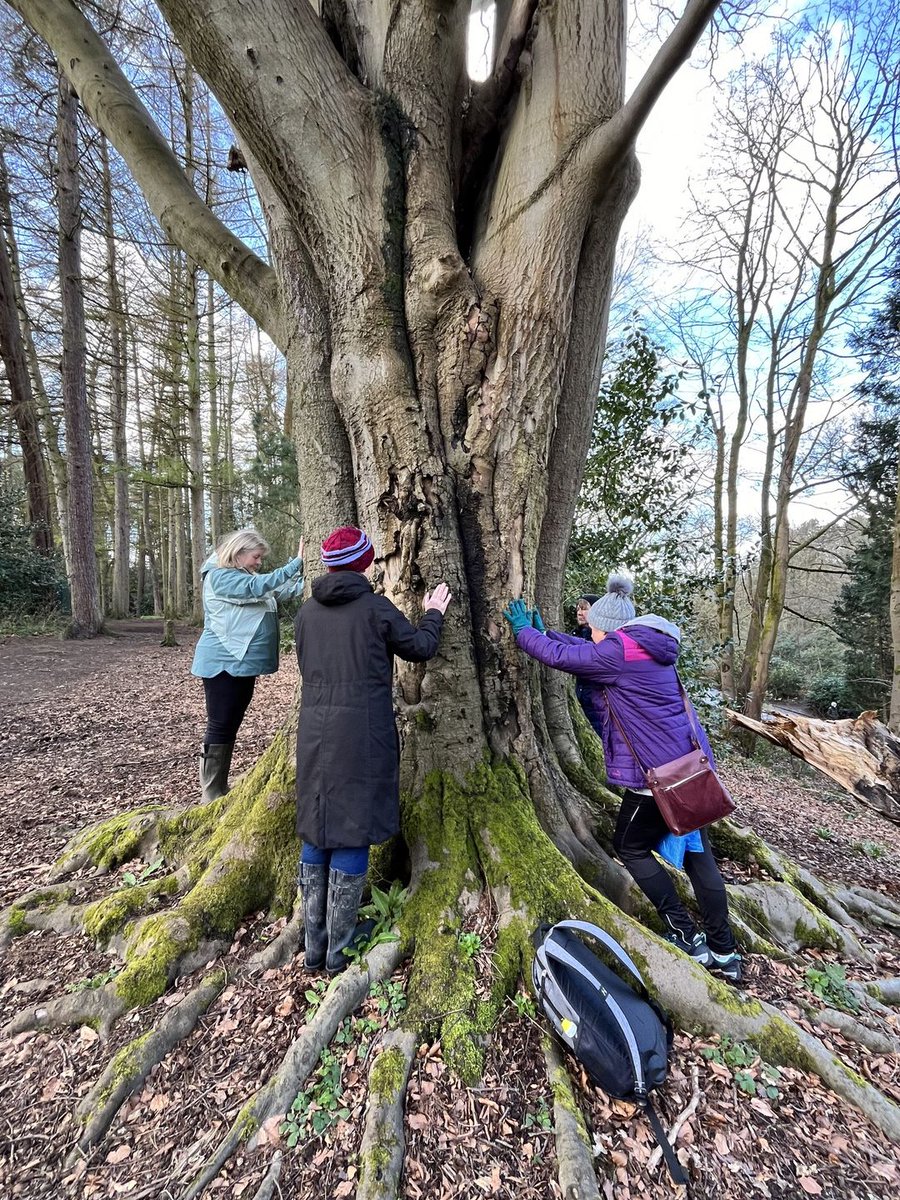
(348, 781)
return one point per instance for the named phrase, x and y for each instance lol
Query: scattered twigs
(680, 1121)
(274, 1098)
(577, 1179)
(381, 1150)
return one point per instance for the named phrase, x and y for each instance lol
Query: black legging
(227, 698)
(639, 829)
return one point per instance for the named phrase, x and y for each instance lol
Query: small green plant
(869, 849)
(751, 1074)
(314, 994)
(390, 998)
(524, 1005)
(95, 982)
(469, 945)
(829, 983)
(318, 1106)
(129, 879)
(823, 832)
(540, 1118)
(385, 909)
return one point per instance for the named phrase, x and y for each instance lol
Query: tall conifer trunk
(87, 615)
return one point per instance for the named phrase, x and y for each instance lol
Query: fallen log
(861, 754)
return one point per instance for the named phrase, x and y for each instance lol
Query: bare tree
(797, 227)
(442, 265)
(21, 393)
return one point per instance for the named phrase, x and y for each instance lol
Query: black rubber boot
(314, 889)
(344, 896)
(215, 763)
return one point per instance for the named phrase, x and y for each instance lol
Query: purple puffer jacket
(636, 669)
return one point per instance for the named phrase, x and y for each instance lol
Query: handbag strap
(688, 708)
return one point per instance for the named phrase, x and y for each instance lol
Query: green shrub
(786, 680)
(31, 584)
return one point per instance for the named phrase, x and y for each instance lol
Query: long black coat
(348, 781)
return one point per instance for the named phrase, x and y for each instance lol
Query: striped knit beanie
(347, 549)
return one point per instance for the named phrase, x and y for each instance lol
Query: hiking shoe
(695, 946)
(726, 965)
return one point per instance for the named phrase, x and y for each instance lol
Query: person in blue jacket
(239, 641)
(629, 666)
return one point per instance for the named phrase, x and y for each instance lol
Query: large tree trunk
(87, 614)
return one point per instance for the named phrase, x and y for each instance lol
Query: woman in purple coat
(629, 663)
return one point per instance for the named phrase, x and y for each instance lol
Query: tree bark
(120, 598)
(87, 615)
(21, 396)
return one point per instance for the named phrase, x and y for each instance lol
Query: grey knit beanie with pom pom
(615, 608)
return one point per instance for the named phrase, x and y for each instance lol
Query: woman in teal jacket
(239, 641)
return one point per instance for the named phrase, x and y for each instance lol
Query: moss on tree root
(240, 853)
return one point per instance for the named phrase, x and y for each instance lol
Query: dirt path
(91, 727)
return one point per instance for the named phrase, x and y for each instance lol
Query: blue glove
(517, 615)
(537, 620)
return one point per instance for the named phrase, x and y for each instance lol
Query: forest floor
(92, 728)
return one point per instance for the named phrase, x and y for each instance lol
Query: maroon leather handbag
(687, 790)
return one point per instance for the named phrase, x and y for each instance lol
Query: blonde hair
(239, 542)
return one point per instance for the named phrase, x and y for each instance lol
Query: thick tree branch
(613, 139)
(315, 133)
(114, 107)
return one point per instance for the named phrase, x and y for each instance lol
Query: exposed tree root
(873, 1039)
(871, 906)
(791, 921)
(127, 1070)
(383, 1141)
(275, 1097)
(43, 908)
(574, 1159)
(467, 840)
(99, 1009)
(700, 1002)
(266, 1189)
(110, 842)
(816, 912)
(885, 990)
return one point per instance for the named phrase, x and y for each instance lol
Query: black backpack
(622, 1036)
